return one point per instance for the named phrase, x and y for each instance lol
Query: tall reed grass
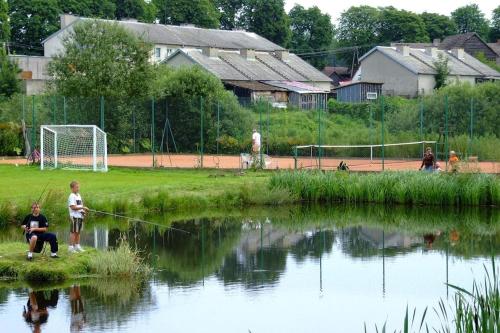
(413, 188)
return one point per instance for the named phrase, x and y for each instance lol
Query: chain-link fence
(174, 131)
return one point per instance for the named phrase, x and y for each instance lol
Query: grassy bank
(120, 262)
(130, 190)
(412, 188)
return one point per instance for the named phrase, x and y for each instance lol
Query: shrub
(11, 139)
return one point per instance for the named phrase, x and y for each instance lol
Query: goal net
(402, 155)
(80, 147)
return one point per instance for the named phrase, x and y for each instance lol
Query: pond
(291, 269)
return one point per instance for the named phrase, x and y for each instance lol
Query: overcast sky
(335, 7)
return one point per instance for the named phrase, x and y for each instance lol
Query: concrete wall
(397, 79)
(34, 72)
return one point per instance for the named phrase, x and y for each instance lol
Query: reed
(411, 188)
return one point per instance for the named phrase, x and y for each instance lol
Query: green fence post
(295, 154)
(102, 112)
(33, 121)
(53, 109)
(471, 125)
(319, 139)
(153, 129)
(24, 109)
(261, 162)
(201, 132)
(383, 132)
(64, 111)
(268, 124)
(134, 133)
(218, 126)
(446, 152)
(371, 123)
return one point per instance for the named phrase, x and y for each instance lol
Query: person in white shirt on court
(77, 213)
(255, 142)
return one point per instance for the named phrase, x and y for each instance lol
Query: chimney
(282, 55)
(436, 42)
(403, 49)
(67, 19)
(248, 54)
(431, 51)
(211, 52)
(458, 53)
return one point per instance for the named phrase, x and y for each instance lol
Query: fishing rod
(40, 198)
(136, 220)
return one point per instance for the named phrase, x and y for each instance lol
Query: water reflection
(367, 259)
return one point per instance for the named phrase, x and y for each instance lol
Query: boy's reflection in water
(77, 311)
(36, 313)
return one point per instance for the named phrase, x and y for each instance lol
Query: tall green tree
(268, 19)
(495, 25)
(32, 21)
(401, 26)
(438, 26)
(102, 58)
(129, 8)
(358, 26)
(9, 80)
(470, 19)
(4, 21)
(311, 30)
(103, 8)
(201, 13)
(231, 12)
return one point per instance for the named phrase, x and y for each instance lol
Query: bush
(11, 139)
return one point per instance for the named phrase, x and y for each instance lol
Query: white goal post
(81, 147)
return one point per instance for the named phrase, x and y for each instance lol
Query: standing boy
(77, 213)
(255, 142)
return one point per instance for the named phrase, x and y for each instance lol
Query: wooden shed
(358, 91)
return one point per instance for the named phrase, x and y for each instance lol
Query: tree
(358, 26)
(268, 19)
(470, 19)
(231, 12)
(442, 71)
(129, 9)
(495, 25)
(4, 21)
(201, 13)
(102, 59)
(438, 26)
(311, 31)
(401, 26)
(103, 8)
(9, 80)
(32, 21)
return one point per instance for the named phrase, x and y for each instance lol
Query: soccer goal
(81, 147)
(362, 157)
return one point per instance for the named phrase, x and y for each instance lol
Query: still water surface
(321, 271)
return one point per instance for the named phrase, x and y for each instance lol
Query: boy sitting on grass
(35, 225)
(77, 213)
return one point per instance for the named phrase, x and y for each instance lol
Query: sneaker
(54, 256)
(78, 248)
(71, 249)
(29, 258)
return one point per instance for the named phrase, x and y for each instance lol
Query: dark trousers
(45, 237)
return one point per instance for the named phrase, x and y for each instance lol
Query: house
(270, 73)
(410, 72)
(337, 74)
(33, 72)
(471, 42)
(496, 47)
(358, 91)
(243, 60)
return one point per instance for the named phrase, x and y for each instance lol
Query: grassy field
(122, 190)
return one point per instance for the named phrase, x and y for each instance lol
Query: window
(158, 52)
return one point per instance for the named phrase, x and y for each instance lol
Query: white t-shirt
(256, 138)
(75, 200)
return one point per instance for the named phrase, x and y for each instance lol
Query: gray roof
(495, 47)
(190, 36)
(305, 69)
(280, 67)
(252, 69)
(457, 41)
(216, 66)
(419, 62)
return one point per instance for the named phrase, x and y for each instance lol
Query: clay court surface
(234, 162)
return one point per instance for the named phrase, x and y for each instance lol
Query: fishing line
(136, 220)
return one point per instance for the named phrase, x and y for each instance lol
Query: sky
(445, 7)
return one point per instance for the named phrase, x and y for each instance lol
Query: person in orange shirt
(454, 161)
